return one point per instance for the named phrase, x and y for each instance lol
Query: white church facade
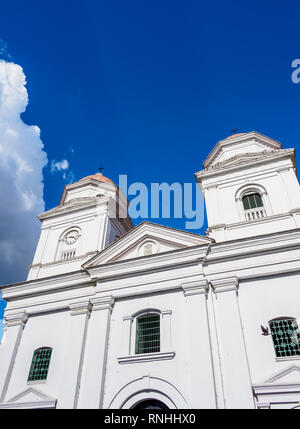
(120, 317)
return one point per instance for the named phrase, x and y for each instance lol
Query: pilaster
(200, 353)
(15, 324)
(233, 356)
(70, 382)
(93, 376)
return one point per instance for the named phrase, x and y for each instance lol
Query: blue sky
(148, 88)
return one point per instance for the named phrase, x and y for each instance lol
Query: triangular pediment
(30, 395)
(248, 157)
(288, 375)
(240, 144)
(161, 238)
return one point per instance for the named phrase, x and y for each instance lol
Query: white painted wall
(212, 299)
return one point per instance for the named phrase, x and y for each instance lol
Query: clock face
(71, 237)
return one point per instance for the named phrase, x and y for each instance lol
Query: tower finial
(100, 169)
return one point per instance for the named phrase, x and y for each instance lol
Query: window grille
(253, 207)
(252, 201)
(147, 334)
(40, 364)
(68, 254)
(147, 249)
(286, 337)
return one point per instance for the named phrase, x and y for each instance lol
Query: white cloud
(59, 165)
(63, 167)
(22, 159)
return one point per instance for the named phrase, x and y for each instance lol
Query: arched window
(286, 336)
(147, 333)
(40, 364)
(253, 206)
(69, 244)
(252, 201)
(150, 404)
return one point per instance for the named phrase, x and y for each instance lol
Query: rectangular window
(40, 364)
(286, 337)
(147, 334)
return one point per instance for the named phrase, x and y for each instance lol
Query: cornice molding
(82, 183)
(75, 205)
(237, 139)
(225, 285)
(142, 231)
(195, 288)
(276, 389)
(28, 405)
(265, 158)
(81, 307)
(147, 357)
(265, 219)
(16, 319)
(102, 303)
(90, 254)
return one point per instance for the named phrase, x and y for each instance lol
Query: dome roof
(98, 176)
(234, 135)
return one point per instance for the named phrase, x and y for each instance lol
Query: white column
(15, 324)
(233, 357)
(93, 376)
(71, 376)
(201, 374)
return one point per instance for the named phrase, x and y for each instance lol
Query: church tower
(91, 215)
(250, 187)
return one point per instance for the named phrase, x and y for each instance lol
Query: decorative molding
(74, 205)
(166, 312)
(282, 374)
(62, 261)
(29, 383)
(16, 319)
(128, 318)
(276, 389)
(103, 303)
(263, 405)
(82, 307)
(146, 357)
(28, 405)
(267, 157)
(141, 232)
(236, 139)
(287, 358)
(225, 285)
(195, 288)
(82, 183)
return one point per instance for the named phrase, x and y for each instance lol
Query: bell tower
(250, 187)
(92, 214)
